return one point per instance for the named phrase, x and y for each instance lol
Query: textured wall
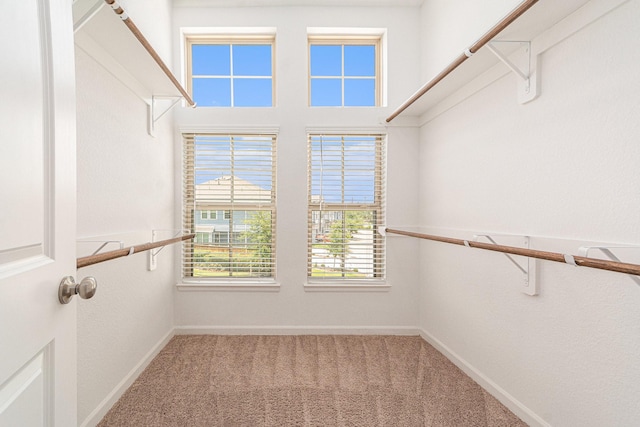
(291, 306)
(125, 189)
(563, 167)
(449, 27)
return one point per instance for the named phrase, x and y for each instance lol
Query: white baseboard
(296, 330)
(513, 404)
(94, 418)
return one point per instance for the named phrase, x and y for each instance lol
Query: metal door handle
(68, 288)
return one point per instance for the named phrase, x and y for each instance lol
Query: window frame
(378, 205)
(224, 40)
(190, 207)
(348, 40)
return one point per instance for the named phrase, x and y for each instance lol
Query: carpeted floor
(312, 380)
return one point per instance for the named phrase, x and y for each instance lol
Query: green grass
(318, 272)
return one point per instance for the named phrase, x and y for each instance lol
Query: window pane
(242, 248)
(343, 244)
(210, 60)
(229, 181)
(359, 92)
(212, 92)
(252, 92)
(359, 61)
(346, 178)
(252, 60)
(326, 92)
(326, 60)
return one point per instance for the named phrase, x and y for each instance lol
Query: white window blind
(233, 178)
(346, 190)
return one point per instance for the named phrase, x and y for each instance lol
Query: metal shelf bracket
(120, 244)
(528, 268)
(154, 113)
(584, 251)
(153, 261)
(528, 79)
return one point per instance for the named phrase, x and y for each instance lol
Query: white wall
(291, 306)
(563, 169)
(125, 189)
(449, 27)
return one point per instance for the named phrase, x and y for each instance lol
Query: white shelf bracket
(153, 260)
(528, 268)
(584, 251)
(155, 113)
(104, 243)
(527, 78)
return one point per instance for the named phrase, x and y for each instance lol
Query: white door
(37, 214)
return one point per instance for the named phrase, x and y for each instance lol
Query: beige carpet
(210, 380)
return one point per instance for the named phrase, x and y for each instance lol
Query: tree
(259, 234)
(343, 230)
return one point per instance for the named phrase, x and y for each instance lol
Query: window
(208, 215)
(230, 71)
(346, 206)
(234, 174)
(344, 71)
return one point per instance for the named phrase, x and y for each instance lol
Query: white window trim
(227, 35)
(351, 285)
(346, 285)
(226, 283)
(346, 34)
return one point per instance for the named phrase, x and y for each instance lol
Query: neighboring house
(217, 225)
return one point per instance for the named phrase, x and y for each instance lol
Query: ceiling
(271, 3)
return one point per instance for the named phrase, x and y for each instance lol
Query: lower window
(229, 202)
(345, 207)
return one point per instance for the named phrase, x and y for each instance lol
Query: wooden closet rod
(145, 43)
(119, 253)
(487, 37)
(601, 264)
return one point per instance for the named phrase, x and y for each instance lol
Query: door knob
(68, 288)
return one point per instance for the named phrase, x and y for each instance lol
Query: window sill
(347, 286)
(239, 286)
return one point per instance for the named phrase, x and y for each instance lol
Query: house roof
(231, 188)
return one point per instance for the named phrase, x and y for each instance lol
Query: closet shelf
(577, 261)
(119, 253)
(105, 32)
(530, 19)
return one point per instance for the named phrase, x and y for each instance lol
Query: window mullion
(231, 77)
(342, 79)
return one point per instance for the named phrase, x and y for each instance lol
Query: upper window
(234, 175)
(230, 71)
(345, 206)
(344, 72)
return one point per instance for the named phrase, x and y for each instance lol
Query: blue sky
(252, 162)
(336, 69)
(251, 68)
(246, 72)
(356, 159)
